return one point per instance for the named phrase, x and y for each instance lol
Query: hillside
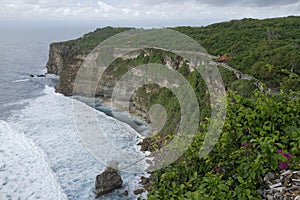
(262, 130)
(267, 49)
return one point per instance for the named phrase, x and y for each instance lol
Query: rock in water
(106, 182)
(41, 76)
(138, 191)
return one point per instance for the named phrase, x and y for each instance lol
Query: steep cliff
(272, 60)
(65, 62)
(261, 48)
(57, 55)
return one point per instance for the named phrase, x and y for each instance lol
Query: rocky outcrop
(285, 186)
(65, 61)
(108, 181)
(57, 57)
(138, 191)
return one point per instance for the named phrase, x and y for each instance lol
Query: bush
(258, 132)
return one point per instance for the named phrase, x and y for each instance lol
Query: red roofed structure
(223, 58)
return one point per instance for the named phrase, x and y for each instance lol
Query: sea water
(41, 154)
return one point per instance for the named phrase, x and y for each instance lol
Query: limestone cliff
(65, 62)
(57, 55)
(65, 58)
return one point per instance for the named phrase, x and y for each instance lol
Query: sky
(144, 13)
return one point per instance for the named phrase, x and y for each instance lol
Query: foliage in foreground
(260, 134)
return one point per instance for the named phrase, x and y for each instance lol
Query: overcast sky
(147, 13)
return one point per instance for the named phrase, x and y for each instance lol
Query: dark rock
(106, 182)
(146, 144)
(148, 186)
(126, 193)
(31, 75)
(42, 75)
(144, 180)
(138, 191)
(149, 162)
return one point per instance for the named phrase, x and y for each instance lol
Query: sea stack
(106, 182)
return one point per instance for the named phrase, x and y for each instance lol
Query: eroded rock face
(65, 62)
(57, 56)
(106, 182)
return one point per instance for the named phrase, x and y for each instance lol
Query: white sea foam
(24, 170)
(49, 123)
(21, 80)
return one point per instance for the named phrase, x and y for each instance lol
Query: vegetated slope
(92, 39)
(268, 49)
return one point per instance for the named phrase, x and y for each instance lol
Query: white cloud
(105, 7)
(161, 11)
(66, 12)
(222, 3)
(11, 5)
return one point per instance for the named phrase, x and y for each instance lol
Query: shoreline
(145, 181)
(135, 110)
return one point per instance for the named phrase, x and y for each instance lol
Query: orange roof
(223, 58)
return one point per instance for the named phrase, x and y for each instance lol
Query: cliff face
(65, 62)
(57, 54)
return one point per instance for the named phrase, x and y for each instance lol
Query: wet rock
(106, 182)
(138, 191)
(126, 193)
(144, 180)
(146, 144)
(148, 186)
(41, 75)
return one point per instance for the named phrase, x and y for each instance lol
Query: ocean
(41, 154)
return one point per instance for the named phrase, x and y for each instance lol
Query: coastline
(95, 103)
